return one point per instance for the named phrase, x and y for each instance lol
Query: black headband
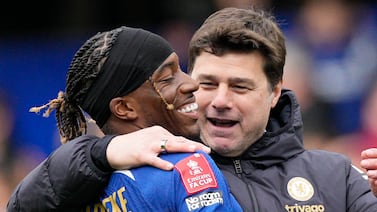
(134, 57)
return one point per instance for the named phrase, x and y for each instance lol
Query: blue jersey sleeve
(195, 184)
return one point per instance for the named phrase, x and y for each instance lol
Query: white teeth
(189, 108)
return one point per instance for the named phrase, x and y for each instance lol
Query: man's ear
(123, 108)
(276, 93)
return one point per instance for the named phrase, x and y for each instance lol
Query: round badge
(300, 189)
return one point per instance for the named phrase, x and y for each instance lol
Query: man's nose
(222, 98)
(189, 86)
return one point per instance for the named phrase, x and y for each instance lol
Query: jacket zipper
(238, 170)
(238, 167)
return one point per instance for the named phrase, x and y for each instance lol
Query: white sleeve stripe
(363, 174)
(127, 173)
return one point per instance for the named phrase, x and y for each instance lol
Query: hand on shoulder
(144, 146)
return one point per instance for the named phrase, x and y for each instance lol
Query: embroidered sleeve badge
(196, 173)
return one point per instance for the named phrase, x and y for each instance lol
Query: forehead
(170, 64)
(230, 65)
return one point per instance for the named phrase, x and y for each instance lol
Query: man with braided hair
(128, 79)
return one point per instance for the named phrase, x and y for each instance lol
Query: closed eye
(240, 89)
(167, 79)
(207, 84)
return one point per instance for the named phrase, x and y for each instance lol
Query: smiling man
(254, 126)
(227, 93)
(165, 99)
(126, 79)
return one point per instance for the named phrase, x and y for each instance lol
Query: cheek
(255, 106)
(169, 93)
(255, 117)
(202, 98)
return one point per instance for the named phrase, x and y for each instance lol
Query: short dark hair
(242, 30)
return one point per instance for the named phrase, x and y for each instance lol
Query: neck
(111, 128)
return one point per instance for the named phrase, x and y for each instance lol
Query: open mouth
(189, 108)
(222, 122)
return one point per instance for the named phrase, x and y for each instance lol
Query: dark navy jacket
(67, 180)
(277, 174)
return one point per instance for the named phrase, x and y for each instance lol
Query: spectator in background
(178, 33)
(368, 138)
(6, 160)
(245, 4)
(297, 74)
(354, 143)
(15, 162)
(344, 51)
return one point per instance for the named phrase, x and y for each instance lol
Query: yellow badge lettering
(98, 207)
(112, 200)
(122, 200)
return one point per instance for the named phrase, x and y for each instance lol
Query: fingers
(160, 163)
(369, 153)
(373, 186)
(172, 145)
(181, 144)
(372, 175)
(143, 147)
(369, 161)
(369, 164)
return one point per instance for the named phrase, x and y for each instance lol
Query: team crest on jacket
(300, 189)
(196, 173)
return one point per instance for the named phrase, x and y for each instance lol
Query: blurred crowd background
(331, 65)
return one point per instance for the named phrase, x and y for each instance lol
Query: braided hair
(84, 69)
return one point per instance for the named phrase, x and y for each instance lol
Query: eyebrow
(206, 77)
(160, 70)
(165, 65)
(232, 80)
(238, 80)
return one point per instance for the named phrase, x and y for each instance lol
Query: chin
(221, 151)
(221, 148)
(193, 133)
